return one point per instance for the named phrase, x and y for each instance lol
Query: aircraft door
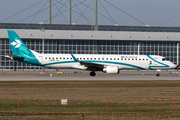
(40, 58)
(155, 63)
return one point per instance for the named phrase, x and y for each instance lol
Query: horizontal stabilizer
(13, 56)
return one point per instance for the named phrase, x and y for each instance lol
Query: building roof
(88, 27)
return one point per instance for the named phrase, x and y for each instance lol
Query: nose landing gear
(92, 73)
(158, 72)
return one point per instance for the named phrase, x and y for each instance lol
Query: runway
(84, 76)
(88, 78)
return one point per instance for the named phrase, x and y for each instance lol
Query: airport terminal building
(82, 39)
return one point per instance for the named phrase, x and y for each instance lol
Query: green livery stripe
(151, 67)
(118, 63)
(54, 63)
(93, 61)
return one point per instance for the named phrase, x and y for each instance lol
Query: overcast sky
(139, 12)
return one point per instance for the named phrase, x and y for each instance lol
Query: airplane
(89, 62)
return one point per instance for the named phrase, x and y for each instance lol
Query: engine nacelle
(111, 69)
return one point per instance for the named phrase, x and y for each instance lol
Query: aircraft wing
(90, 65)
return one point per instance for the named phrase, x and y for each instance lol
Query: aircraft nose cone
(175, 66)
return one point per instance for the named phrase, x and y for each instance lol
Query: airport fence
(104, 103)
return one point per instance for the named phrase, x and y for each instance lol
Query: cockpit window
(164, 59)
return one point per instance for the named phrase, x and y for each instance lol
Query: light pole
(42, 30)
(95, 16)
(49, 20)
(69, 13)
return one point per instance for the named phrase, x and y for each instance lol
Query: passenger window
(146, 59)
(114, 58)
(106, 58)
(87, 58)
(84, 58)
(45, 57)
(143, 59)
(102, 58)
(53, 58)
(118, 59)
(121, 58)
(91, 58)
(94, 58)
(110, 58)
(124, 59)
(63, 58)
(139, 59)
(163, 59)
(166, 59)
(128, 59)
(67, 58)
(98, 58)
(49, 57)
(57, 58)
(132, 59)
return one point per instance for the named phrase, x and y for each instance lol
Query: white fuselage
(136, 62)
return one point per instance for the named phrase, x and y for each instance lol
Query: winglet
(74, 58)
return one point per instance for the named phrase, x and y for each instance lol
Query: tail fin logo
(17, 44)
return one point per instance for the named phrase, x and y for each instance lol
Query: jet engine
(111, 69)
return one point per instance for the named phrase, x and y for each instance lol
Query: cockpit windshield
(165, 59)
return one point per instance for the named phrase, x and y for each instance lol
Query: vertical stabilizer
(20, 49)
(17, 45)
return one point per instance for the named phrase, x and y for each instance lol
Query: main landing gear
(92, 73)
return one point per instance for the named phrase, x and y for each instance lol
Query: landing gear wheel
(158, 74)
(92, 73)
